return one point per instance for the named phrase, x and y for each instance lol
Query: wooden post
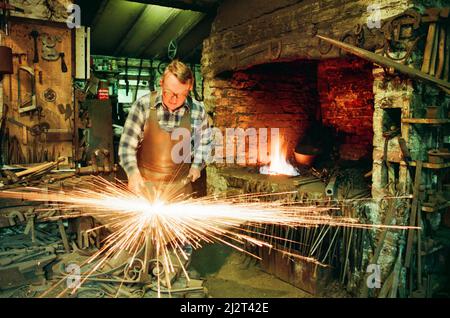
(413, 215)
(1, 81)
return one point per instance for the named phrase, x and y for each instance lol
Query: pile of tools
(26, 250)
(36, 257)
(35, 173)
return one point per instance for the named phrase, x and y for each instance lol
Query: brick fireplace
(266, 69)
(293, 96)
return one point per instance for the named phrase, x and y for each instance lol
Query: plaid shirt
(133, 130)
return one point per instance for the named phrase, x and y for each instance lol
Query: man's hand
(194, 174)
(136, 183)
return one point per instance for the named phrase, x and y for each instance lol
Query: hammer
(34, 34)
(63, 63)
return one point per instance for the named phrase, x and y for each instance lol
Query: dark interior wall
(345, 88)
(229, 13)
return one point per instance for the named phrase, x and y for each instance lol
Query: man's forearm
(129, 165)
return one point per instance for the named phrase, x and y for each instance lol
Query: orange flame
(278, 163)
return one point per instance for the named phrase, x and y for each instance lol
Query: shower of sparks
(168, 224)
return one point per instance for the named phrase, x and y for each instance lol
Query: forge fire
(224, 149)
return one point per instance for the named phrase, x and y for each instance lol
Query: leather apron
(154, 157)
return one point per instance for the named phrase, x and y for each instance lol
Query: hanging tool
(151, 78)
(63, 63)
(138, 80)
(35, 34)
(428, 48)
(33, 100)
(441, 52)
(49, 52)
(172, 49)
(65, 110)
(5, 14)
(127, 83)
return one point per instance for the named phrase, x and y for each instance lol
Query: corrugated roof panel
(133, 29)
(180, 26)
(113, 22)
(148, 28)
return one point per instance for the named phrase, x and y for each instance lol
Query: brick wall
(282, 95)
(288, 96)
(346, 97)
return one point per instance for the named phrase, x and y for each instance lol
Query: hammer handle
(36, 55)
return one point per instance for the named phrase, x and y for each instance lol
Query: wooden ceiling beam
(193, 5)
(99, 13)
(187, 27)
(170, 18)
(131, 30)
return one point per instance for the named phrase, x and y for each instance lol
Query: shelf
(108, 71)
(429, 121)
(107, 74)
(428, 165)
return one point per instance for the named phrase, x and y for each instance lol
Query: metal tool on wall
(35, 34)
(6, 9)
(63, 63)
(49, 51)
(21, 106)
(127, 82)
(138, 80)
(436, 57)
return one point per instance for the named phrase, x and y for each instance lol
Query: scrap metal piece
(17, 275)
(331, 188)
(64, 238)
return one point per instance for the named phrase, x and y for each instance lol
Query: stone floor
(228, 274)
